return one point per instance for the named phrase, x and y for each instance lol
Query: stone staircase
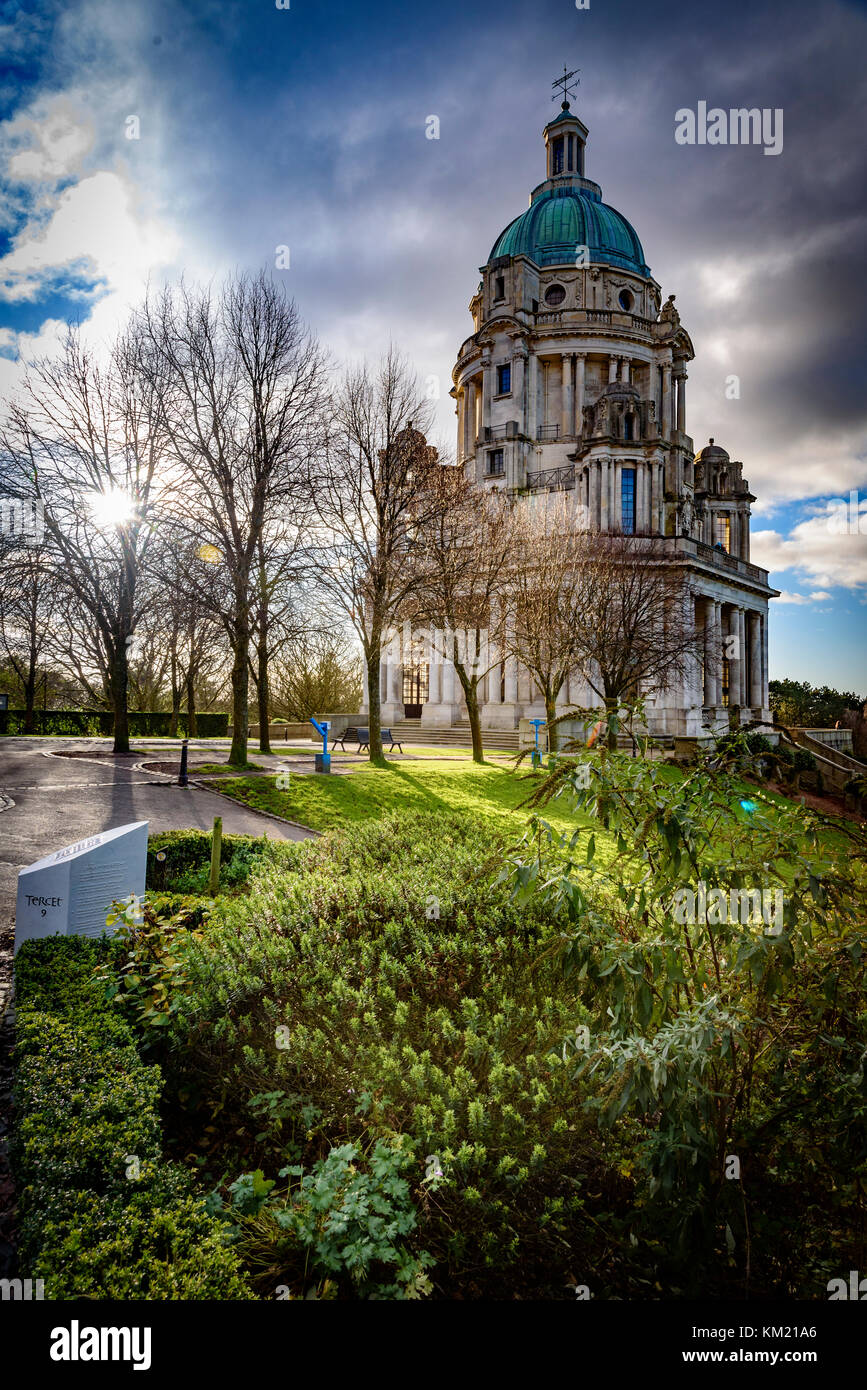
(410, 731)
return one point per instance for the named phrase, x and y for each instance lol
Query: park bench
(362, 738)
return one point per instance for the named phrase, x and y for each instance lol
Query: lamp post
(322, 761)
(183, 779)
(536, 756)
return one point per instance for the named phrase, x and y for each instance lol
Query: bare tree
(464, 551)
(370, 496)
(28, 603)
(85, 438)
(244, 383)
(318, 672)
(280, 570)
(634, 633)
(546, 585)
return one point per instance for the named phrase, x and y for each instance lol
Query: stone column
(434, 693)
(735, 659)
(603, 494)
(519, 363)
(625, 369)
(617, 518)
(487, 381)
(612, 369)
(565, 394)
(640, 489)
(654, 499)
(448, 675)
(593, 469)
(709, 691)
(472, 426)
(716, 652)
(579, 392)
(532, 395)
(681, 402)
(755, 660)
(666, 400)
(763, 621)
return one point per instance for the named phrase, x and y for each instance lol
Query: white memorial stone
(71, 890)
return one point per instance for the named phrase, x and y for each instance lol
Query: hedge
(92, 723)
(100, 1214)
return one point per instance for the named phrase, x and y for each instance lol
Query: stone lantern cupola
(565, 139)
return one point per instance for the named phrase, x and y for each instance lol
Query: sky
(141, 142)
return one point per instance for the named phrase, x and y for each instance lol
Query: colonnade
(567, 369)
(738, 636)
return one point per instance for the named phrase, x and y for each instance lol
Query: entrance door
(415, 689)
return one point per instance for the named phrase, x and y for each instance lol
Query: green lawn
(490, 792)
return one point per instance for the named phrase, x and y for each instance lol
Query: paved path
(58, 800)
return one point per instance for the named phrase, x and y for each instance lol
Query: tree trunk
(374, 721)
(263, 695)
(30, 697)
(192, 727)
(471, 695)
(119, 692)
(611, 706)
(176, 695)
(240, 696)
(551, 715)
(32, 657)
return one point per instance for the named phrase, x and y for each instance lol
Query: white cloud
(98, 229)
(786, 596)
(820, 549)
(49, 141)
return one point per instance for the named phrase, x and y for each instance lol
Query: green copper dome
(563, 218)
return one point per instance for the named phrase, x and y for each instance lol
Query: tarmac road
(47, 802)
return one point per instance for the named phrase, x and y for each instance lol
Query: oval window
(555, 294)
(625, 301)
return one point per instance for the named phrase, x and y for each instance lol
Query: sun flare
(113, 508)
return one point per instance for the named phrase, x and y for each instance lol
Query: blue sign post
(322, 761)
(536, 756)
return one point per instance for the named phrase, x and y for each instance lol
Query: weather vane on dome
(569, 87)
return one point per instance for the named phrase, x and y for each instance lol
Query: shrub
(93, 723)
(100, 1216)
(721, 1037)
(349, 1217)
(380, 984)
(185, 865)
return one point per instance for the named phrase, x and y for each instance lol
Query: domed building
(574, 380)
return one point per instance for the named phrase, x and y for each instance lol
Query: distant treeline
(801, 705)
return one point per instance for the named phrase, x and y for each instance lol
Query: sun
(114, 508)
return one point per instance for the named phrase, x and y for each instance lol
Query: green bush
(379, 986)
(93, 723)
(160, 1243)
(717, 1035)
(99, 1215)
(351, 1216)
(186, 860)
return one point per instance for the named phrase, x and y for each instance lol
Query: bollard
(216, 851)
(183, 779)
